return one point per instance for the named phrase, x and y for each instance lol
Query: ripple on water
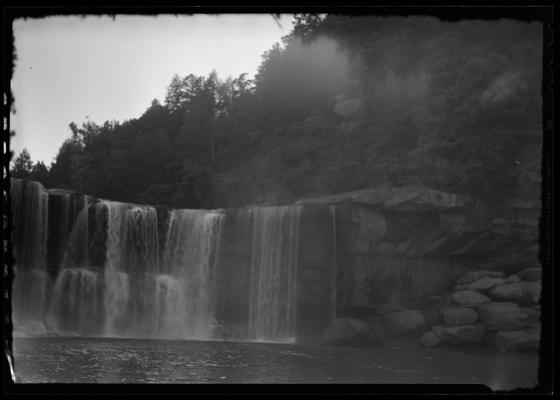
(153, 361)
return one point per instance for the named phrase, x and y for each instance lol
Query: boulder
(512, 279)
(472, 276)
(531, 274)
(507, 316)
(526, 293)
(485, 283)
(429, 340)
(388, 308)
(517, 340)
(438, 330)
(469, 297)
(464, 334)
(351, 331)
(433, 317)
(404, 321)
(459, 316)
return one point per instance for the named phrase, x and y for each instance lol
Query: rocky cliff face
(409, 248)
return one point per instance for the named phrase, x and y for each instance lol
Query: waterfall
(131, 251)
(29, 205)
(189, 255)
(76, 302)
(275, 241)
(114, 277)
(76, 254)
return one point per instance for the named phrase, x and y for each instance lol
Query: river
(121, 360)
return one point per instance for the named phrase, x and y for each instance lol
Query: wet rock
(404, 321)
(526, 293)
(517, 340)
(469, 297)
(433, 317)
(464, 334)
(512, 279)
(485, 283)
(459, 316)
(351, 331)
(429, 340)
(507, 316)
(531, 274)
(472, 276)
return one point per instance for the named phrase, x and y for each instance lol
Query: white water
(75, 304)
(116, 278)
(272, 304)
(29, 204)
(189, 256)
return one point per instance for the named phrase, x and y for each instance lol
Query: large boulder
(526, 293)
(512, 279)
(429, 340)
(404, 321)
(485, 283)
(469, 298)
(531, 274)
(472, 276)
(459, 316)
(351, 331)
(517, 340)
(507, 316)
(464, 334)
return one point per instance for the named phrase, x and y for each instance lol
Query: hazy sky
(68, 68)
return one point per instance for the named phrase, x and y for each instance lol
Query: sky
(69, 69)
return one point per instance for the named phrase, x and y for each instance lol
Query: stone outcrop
(473, 276)
(507, 316)
(404, 321)
(527, 293)
(517, 340)
(459, 316)
(352, 331)
(464, 334)
(531, 274)
(469, 298)
(402, 198)
(484, 283)
(429, 340)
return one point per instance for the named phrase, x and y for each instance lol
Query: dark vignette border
(447, 12)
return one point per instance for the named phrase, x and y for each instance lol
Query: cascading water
(114, 277)
(187, 287)
(29, 203)
(275, 241)
(74, 305)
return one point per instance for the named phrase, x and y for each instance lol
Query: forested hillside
(344, 103)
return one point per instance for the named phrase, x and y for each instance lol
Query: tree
(40, 173)
(22, 165)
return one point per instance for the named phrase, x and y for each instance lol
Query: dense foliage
(343, 104)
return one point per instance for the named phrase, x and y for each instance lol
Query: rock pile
(488, 307)
(484, 308)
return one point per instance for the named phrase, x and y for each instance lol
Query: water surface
(109, 360)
